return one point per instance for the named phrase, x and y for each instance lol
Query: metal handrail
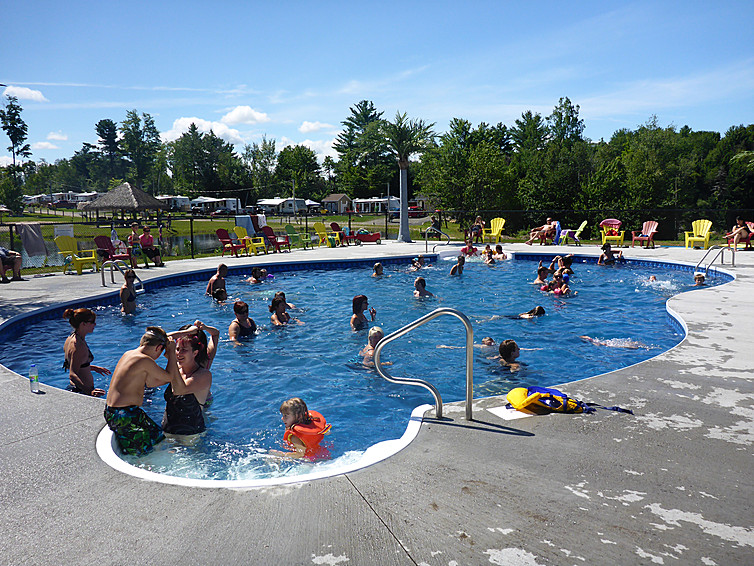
(116, 263)
(720, 254)
(420, 382)
(434, 231)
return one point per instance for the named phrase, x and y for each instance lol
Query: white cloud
(244, 115)
(44, 145)
(323, 148)
(308, 127)
(59, 136)
(222, 131)
(23, 93)
(5, 160)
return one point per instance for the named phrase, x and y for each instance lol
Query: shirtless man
(217, 282)
(134, 431)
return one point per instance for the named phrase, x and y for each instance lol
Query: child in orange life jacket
(304, 430)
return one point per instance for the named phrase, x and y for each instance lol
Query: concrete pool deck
(672, 484)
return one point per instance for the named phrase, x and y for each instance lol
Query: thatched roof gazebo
(125, 197)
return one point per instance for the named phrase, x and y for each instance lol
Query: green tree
(564, 122)
(298, 163)
(530, 132)
(16, 130)
(260, 160)
(107, 132)
(404, 138)
(140, 142)
(185, 156)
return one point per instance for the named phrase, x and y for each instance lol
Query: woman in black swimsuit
(186, 396)
(128, 293)
(78, 357)
(242, 326)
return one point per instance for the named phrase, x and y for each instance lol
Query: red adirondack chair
(647, 234)
(275, 240)
(107, 251)
(228, 243)
(347, 238)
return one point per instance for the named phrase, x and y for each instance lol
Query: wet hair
(154, 336)
(196, 344)
(296, 407)
(542, 269)
(240, 306)
(202, 338)
(537, 311)
(280, 294)
(256, 273)
(506, 348)
(375, 330)
(461, 259)
(377, 266)
(499, 248)
(220, 294)
(606, 247)
(79, 316)
(222, 267)
(129, 273)
(277, 300)
(422, 281)
(357, 301)
(567, 260)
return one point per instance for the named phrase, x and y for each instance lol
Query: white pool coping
(108, 451)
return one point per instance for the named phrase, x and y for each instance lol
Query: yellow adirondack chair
(79, 258)
(700, 233)
(252, 244)
(494, 231)
(332, 239)
(611, 231)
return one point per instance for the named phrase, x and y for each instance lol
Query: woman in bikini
(358, 319)
(128, 293)
(78, 357)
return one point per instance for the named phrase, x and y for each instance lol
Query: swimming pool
(318, 362)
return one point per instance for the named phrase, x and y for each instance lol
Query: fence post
(191, 228)
(387, 219)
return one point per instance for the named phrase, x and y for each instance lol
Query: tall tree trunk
(403, 233)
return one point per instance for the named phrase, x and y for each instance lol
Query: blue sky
(292, 70)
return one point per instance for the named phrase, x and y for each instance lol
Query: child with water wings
(304, 430)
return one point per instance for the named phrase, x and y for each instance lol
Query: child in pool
(509, 352)
(375, 335)
(699, 279)
(420, 288)
(304, 430)
(377, 270)
(417, 263)
(499, 253)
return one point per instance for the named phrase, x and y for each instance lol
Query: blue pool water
(318, 360)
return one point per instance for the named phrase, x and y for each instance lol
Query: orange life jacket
(310, 434)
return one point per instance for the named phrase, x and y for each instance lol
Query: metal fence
(199, 238)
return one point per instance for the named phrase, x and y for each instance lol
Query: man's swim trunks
(135, 432)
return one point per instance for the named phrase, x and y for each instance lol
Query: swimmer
(367, 352)
(487, 256)
(279, 315)
(304, 430)
(217, 281)
(417, 263)
(509, 352)
(457, 269)
(377, 269)
(242, 326)
(614, 342)
(499, 253)
(652, 278)
(256, 276)
(559, 286)
(220, 295)
(488, 341)
(358, 319)
(128, 293)
(542, 273)
(78, 357)
(699, 279)
(469, 250)
(608, 256)
(536, 311)
(420, 288)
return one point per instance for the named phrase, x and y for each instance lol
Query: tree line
(539, 162)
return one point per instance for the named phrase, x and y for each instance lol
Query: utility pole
(294, 199)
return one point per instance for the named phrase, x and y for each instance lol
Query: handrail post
(420, 382)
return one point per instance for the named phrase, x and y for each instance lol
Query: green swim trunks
(135, 432)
